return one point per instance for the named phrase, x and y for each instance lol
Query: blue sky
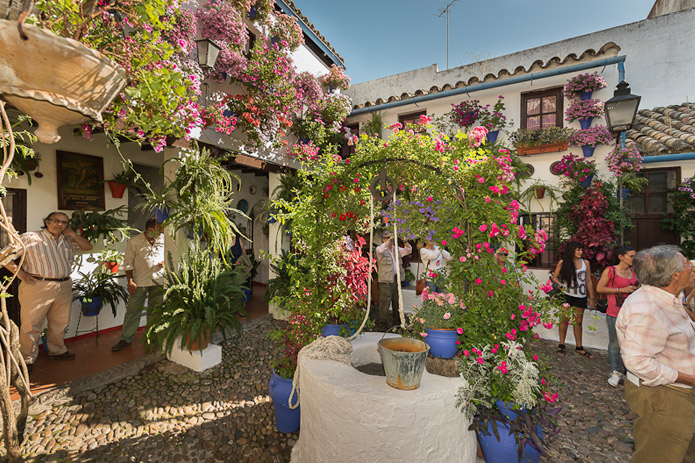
(377, 38)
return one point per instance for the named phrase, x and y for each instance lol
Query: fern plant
(100, 283)
(203, 295)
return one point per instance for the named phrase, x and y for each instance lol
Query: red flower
(342, 217)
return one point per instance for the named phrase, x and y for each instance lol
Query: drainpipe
(669, 157)
(498, 83)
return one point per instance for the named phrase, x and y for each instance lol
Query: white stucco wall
(662, 7)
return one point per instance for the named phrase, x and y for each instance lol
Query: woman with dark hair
(571, 273)
(617, 281)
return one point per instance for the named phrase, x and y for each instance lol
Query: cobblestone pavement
(166, 413)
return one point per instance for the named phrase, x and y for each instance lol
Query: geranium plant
(336, 78)
(583, 83)
(438, 311)
(625, 163)
(584, 109)
(506, 373)
(574, 167)
(466, 113)
(596, 135)
(164, 83)
(493, 119)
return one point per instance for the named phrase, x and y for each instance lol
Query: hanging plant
(596, 135)
(584, 109)
(583, 83)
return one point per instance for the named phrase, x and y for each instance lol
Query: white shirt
(434, 259)
(143, 259)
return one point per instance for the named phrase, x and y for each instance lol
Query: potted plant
(589, 138)
(507, 393)
(575, 168)
(409, 276)
(537, 189)
(201, 296)
(625, 163)
(533, 141)
(336, 79)
(582, 85)
(97, 288)
(584, 111)
(120, 182)
(109, 258)
(106, 225)
(438, 321)
(493, 119)
(373, 126)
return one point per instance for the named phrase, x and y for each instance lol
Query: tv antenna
(441, 13)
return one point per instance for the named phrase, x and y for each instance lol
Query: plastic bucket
(404, 361)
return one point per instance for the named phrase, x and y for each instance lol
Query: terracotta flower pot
(540, 192)
(117, 189)
(112, 266)
(193, 344)
(56, 81)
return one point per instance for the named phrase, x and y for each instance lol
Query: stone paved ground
(166, 413)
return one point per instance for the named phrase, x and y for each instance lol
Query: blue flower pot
(405, 284)
(624, 192)
(442, 342)
(271, 218)
(253, 11)
(275, 39)
(161, 213)
(286, 419)
(334, 330)
(492, 136)
(588, 151)
(587, 182)
(586, 95)
(585, 123)
(45, 343)
(505, 450)
(247, 294)
(92, 307)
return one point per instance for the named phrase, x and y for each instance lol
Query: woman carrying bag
(434, 259)
(618, 282)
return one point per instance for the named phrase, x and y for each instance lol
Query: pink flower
(535, 357)
(478, 281)
(423, 334)
(446, 316)
(430, 199)
(480, 360)
(466, 353)
(444, 242)
(491, 293)
(481, 180)
(459, 330)
(482, 228)
(504, 282)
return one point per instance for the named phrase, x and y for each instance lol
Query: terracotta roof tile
(664, 130)
(609, 48)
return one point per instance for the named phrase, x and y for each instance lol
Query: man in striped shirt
(657, 342)
(45, 291)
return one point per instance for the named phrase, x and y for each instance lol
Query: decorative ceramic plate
(242, 205)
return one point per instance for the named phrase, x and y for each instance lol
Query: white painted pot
(56, 81)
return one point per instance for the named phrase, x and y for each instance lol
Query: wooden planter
(56, 81)
(550, 148)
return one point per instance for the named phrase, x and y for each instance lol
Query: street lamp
(620, 115)
(622, 108)
(208, 51)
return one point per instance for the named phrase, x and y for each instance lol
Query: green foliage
(682, 219)
(99, 283)
(204, 295)
(199, 198)
(106, 225)
(24, 160)
(529, 194)
(280, 286)
(373, 126)
(525, 138)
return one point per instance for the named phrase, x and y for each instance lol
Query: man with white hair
(657, 342)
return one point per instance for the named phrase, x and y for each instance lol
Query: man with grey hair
(388, 284)
(657, 341)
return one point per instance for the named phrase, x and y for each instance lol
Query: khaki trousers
(44, 300)
(664, 430)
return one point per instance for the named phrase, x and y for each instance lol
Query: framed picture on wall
(80, 181)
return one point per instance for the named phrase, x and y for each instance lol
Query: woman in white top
(574, 275)
(433, 259)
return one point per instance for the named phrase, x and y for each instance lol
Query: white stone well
(350, 416)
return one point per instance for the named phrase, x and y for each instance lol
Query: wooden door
(649, 206)
(15, 203)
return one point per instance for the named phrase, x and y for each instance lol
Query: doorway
(15, 204)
